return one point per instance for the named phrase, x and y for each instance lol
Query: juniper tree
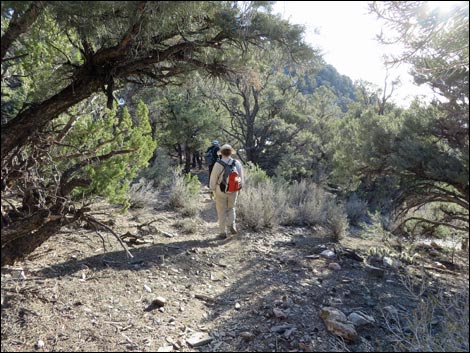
(58, 58)
(421, 151)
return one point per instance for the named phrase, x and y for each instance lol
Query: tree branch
(94, 221)
(19, 25)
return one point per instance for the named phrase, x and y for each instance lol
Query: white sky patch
(346, 35)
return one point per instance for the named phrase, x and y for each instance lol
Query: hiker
(226, 179)
(212, 156)
(197, 159)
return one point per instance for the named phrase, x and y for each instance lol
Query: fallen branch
(93, 221)
(140, 226)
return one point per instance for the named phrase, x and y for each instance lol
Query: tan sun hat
(227, 147)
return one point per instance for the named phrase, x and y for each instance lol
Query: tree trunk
(179, 150)
(187, 160)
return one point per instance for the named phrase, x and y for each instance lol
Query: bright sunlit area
(346, 34)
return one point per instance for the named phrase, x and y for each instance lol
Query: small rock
(330, 313)
(279, 314)
(328, 254)
(391, 263)
(199, 339)
(217, 276)
(147, 288)
(287, 333)
(159, 301)
(334, 266)
(360, 319)
(237, 306)
(40, 344)
(337, 323)
(247, 336)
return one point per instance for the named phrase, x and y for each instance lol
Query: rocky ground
(185, 290)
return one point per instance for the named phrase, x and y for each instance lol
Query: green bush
(254, 175)
(102, 136)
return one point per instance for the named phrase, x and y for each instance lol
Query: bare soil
(80, 292)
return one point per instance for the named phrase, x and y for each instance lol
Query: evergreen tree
(73, 54)
(423, 151)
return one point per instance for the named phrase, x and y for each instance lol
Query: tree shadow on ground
(280, 296)
(274, 299)
(144, 257)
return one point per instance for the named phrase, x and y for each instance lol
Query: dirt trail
(253, 292)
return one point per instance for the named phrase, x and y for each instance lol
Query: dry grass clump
(440, 323)
(265, 204)
(184, 194)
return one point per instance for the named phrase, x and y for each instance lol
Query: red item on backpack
(231, 181)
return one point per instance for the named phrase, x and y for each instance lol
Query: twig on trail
(100, 214)
(146, 224)
(94, 221)
(102, 239)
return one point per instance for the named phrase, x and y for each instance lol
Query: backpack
(210, 156)
(231, 180)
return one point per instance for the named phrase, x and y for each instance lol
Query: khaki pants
(225, 203)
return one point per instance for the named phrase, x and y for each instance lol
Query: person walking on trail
(225, 182)
(212, 156)
(197, 159)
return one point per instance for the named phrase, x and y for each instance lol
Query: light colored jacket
(218, 173)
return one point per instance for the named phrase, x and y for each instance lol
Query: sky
(346, 35)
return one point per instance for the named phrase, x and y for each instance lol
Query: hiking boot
(233, 230)
(222, 236)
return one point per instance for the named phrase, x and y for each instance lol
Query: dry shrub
(257, 205)
(187, 225)
(161, 170)
(438, 324)
(356, 209)
(265, 204)
(184, 194)
(142, 194)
